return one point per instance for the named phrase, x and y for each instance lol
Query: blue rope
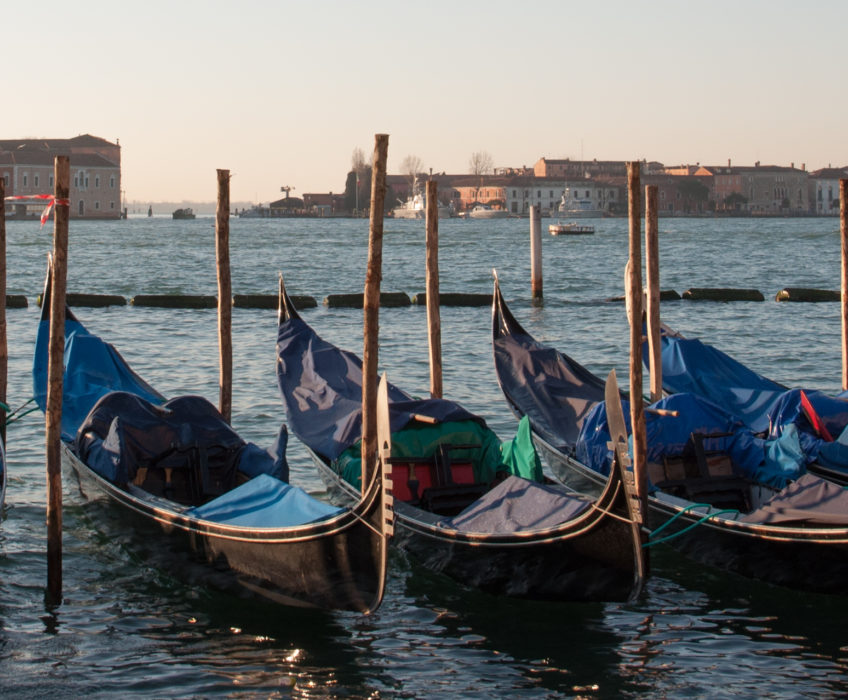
(685, 529)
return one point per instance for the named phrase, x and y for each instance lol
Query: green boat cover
(488, 456)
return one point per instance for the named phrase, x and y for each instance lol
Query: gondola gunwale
(358, 514)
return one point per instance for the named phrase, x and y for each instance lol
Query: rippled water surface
(128, 626)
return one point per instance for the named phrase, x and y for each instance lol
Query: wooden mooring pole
(225, 296)
(536, 253)
(55, 372)
(843, 221)
(4, 346)
(434, 323)
(652, 275)
(634, 295)
(371, 308)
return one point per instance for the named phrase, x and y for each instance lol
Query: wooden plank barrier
(720, 294)
(80, 299)
(356, 301)
(16, 301)
(803, 294)
(175, 301)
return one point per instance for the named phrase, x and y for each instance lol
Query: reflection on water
(130, 624)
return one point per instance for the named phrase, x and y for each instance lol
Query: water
(126, 626)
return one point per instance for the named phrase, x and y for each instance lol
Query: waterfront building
(27, 167)
(824, 190)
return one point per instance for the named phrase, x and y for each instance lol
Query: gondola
(710, 497)
(459, 509)
(764, 405)
(214, 503)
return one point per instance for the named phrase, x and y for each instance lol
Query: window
(50, 179)
(111, 205)
(25, 180)
(97, 181)
(112, 181)
(97, 206)
(538, 194)
(6, 180)
(35, 180)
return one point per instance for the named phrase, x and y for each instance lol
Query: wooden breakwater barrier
(356, 301)
(80, 300)
(722, 294)
(665, 295)
(401, 299)
(804, 294)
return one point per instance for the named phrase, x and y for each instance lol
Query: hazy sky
(281, 93)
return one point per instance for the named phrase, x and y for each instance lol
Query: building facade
(27, 169)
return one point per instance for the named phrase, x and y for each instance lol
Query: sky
(282, 93)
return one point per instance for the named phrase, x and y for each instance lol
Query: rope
(685, 529)
(16, 415)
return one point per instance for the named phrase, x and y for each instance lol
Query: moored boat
(570, 228)
(415, 206)
(572, 206)
(461, 507)
(717, 493)
(177, 472)
(484, 211)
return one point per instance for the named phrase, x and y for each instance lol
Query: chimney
(728, 162)
(792, 165)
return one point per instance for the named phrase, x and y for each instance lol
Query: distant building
(824, 190)
(27, 167)
(324, 204)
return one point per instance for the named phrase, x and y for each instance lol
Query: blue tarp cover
(126, 423)
(689, 365)
(774, 462)
(93, 368)
(265, 502)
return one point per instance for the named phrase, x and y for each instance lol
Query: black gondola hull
(339, 563)
(598, 557)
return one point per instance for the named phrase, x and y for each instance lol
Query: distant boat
(484, 211)
(572, 206)
(415, 207)
(569, 228)
(186, 213)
